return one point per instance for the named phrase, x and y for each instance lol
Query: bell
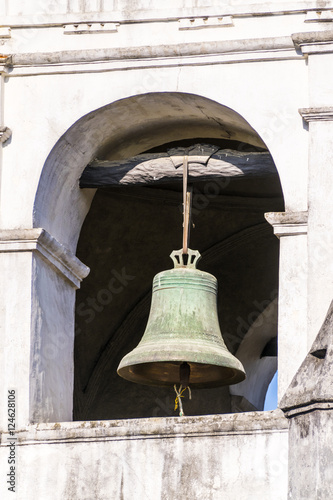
(182, 342)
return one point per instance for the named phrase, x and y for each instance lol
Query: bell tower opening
(127, 238)
(135, 221)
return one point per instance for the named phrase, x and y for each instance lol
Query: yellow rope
(178, 401)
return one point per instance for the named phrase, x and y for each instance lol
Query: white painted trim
(243, 9)
(319, 16)
(317, 48)
(53, 252)
(5, 32)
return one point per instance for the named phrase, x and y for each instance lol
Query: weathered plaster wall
(250, 65)
(312, 469)
(52, 328)
(39, 11)
(52, 103)
(38, 282)
(15, 299)
(232, 456)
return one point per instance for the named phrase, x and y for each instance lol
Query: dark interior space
(127, 238)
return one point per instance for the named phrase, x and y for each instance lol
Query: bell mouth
(166, 373)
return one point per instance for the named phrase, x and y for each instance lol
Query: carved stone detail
(56, 254)
(288, 224)
(316, 114)
(5, 134)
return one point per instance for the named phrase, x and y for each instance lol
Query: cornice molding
(54, 253)
(150, 52)
(308, 408)
(5, 134)
(288, 223)
(314, 42)
(165, 13)
(146, 57)
(316, 114)
(311, 388)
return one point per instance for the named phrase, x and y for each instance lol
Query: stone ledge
(288, 223)
(165, 14)
(53, 252)
(153, 428)
(311, 388)
(314, 42)
(151, 52)
(319, 16)
(5, 134)
(90, 28)
(205, 22)
(316, 114)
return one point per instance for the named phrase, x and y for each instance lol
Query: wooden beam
(161, 168)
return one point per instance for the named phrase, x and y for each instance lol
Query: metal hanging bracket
(185, 257)
(192, 257)
(187, 205)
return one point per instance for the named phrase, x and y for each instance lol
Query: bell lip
(236, 377)
(178, 352)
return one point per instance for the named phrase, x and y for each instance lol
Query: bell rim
(215, 356)
(179, 350)
(236, 376)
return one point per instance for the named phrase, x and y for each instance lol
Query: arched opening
(120, 130)
(130, 231)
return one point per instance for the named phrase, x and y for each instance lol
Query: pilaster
(320, 241)
(317, 46)
(37, 292)
(291, 229)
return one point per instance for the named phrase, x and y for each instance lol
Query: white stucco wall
(211, 457)
(51, 80)
(264, 80)
(266, 95)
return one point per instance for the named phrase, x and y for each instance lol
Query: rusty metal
(187, 202)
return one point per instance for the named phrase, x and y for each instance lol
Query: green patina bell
(182, 342)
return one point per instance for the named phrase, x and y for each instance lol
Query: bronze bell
(182, 342)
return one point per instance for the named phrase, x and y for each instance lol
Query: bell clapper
(184, 374)
(184, 377)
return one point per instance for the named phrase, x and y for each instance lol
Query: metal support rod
(187, 202)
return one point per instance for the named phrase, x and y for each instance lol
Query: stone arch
(120, 130)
